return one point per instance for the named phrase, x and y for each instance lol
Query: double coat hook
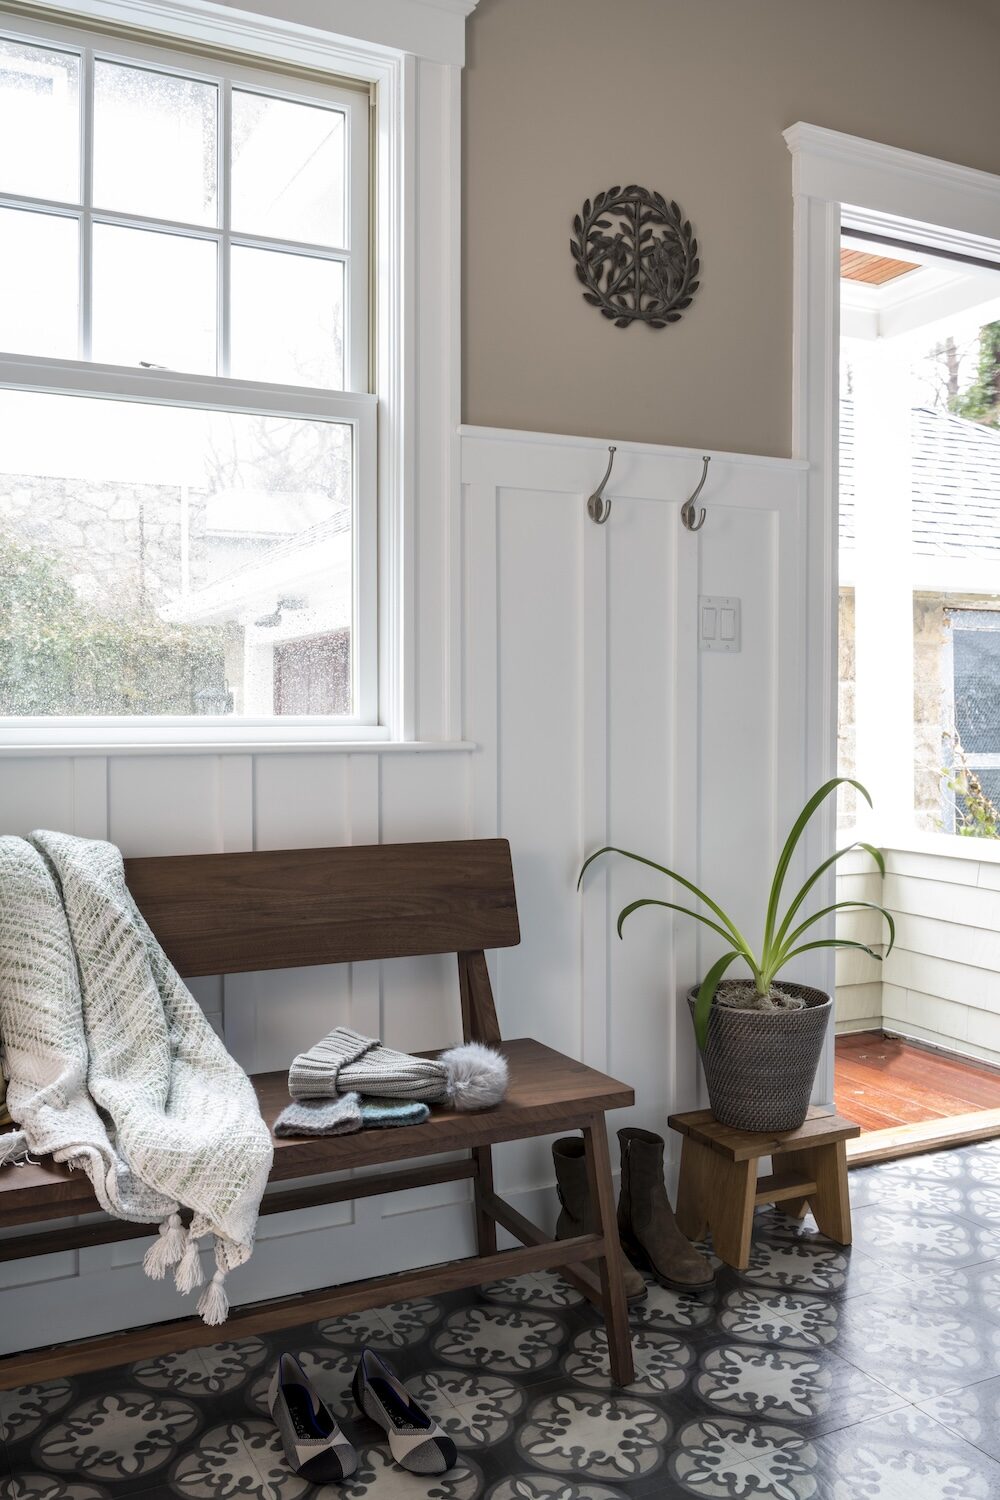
(687, 509)
(599, 509)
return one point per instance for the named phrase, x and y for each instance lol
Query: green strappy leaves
(781, 941)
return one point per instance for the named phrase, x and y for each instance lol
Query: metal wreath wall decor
(636, 256)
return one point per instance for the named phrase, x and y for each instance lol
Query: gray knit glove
(340, 1116)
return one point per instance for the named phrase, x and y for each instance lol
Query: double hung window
(187, 439)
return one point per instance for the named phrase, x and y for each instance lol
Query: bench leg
(615, 1308)
(482, 1183)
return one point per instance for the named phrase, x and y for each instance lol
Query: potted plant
(760, 1042)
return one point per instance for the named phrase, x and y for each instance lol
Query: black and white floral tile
(816, 1374)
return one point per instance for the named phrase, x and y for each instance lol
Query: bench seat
(548, 1093)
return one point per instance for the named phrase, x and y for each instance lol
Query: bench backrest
(290, 908)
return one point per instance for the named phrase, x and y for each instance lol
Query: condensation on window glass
(288, 169)
(171, 561)
(287, 318)
(155, 298)
(40, 112)
(39, 284)
(155, 144)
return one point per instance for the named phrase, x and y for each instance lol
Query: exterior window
(187, 463)
(976, 667)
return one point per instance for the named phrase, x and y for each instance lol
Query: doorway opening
(917, 1052)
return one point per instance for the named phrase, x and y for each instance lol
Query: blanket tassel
(189, 1273)
(13, 1144)
(166, 1250)
(214, 1304)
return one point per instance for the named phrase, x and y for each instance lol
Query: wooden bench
(238, 913)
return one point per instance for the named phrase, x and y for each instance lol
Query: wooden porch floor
(881, 1082)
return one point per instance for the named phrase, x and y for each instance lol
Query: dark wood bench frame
(239, 913)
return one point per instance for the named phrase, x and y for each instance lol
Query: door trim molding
(837, 177)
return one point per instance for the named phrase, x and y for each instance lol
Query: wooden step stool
(719, 1187)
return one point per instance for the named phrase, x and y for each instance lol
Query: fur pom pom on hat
(469, 1076)
(477, 1075)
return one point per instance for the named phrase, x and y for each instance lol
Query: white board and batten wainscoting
(589, 714)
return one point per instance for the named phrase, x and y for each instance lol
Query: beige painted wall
(566, 97)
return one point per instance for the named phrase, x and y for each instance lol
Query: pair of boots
(647, 1228)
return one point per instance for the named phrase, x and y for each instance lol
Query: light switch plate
(719, 625)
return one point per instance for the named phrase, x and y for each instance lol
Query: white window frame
(356, 407)
(411, 52)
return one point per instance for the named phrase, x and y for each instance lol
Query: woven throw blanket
(113, 1066)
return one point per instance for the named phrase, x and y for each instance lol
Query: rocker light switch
(719, 623)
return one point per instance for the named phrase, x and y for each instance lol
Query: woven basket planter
(760, 1065)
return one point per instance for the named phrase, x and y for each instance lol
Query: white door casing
(940, 204)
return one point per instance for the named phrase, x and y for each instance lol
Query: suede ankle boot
(576, 1215)
(646, 1224)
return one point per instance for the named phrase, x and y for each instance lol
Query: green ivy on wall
(62, 655)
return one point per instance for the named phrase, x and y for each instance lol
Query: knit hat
(470, 1076)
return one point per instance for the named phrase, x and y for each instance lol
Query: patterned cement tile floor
(818, 1374)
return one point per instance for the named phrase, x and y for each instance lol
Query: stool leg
(721, 1194)
(734, 1200)
(602, 1196)
(486, 1229)
(826, 1166)
(691, 1211)
(794, 1208)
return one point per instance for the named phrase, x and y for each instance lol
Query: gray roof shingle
(956, 484)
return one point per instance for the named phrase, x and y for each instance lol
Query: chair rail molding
(842, 178)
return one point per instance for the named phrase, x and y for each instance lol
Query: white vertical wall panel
(594, 719)
(301, 801)
(539, 764)
(424, 796)
(645, 768)
(591, 665)
(165, 804)
(90, 796)
(36, 794)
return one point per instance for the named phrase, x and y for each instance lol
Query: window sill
(946, 845)
(359, 740)
(913, 841)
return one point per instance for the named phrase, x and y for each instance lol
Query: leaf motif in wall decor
(636, 256)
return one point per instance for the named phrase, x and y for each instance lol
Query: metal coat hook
(599, 509)
(687, 509)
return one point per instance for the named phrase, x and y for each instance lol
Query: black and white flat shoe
(415, 1441)
(314, 1445)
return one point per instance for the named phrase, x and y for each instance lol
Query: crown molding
(887, 180)
(805, 141)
